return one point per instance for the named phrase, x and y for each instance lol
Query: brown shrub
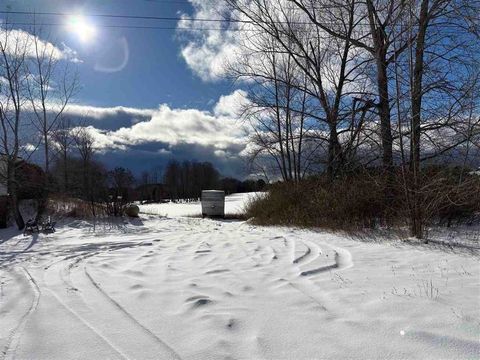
(61, 206)
(357, 201)
(354, 202)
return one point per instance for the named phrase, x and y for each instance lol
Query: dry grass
(61, 206)
(315, 203)
(358, 202)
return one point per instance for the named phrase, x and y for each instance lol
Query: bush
(62, 206)
(456, 197)
(349, 203)
(358, 201)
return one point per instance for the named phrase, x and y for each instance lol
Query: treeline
(186, 180)
(85, 178)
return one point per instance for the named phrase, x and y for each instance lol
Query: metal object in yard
(213, 203)
(32, 226)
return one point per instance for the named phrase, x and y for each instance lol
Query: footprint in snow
(198, 301)
(218, 271)
(231, 324)
(136, 287)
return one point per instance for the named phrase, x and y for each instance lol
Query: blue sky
(142, 69)
(155, 72)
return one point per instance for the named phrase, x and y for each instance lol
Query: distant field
(234, 204)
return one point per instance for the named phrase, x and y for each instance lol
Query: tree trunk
(65, 172)
(13, 190)
(334, 152)
(380, 45)
(417, 94)
(47, 162)
(384, 111)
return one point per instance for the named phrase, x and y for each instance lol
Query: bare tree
(64, 140)
(12, 99)
(374, 35)
(51, 85)
(121, 181)
(276, 111)
(333, 77)
(85, 145)
(156, 174)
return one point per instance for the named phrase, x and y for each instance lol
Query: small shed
(213, 203)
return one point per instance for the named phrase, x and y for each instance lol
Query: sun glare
(81, 27)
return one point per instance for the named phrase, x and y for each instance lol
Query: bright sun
(78, 25)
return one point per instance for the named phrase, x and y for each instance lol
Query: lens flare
(82, 28)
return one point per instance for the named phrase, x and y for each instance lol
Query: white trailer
(213, 203)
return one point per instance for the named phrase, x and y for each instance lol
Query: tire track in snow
(290, 261)
(311, 254)
(320, 302)
(86, 323)
(343, 260)
(167, 349)
(303, 256)
(301, 282)
(14, 338)
(290, 274)
(116, 331)
(77, 258)
(287, 252)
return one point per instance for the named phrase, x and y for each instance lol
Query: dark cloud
(148, 155)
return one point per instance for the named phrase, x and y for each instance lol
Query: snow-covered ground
(187, 288)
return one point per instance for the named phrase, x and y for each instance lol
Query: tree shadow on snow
(10, 255)
(114, 224)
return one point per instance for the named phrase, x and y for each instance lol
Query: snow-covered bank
(206, 289)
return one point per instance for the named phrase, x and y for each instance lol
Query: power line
(157, 18)
(131, 27)
(161, 18)
(137, 17)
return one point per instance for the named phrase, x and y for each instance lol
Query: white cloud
(231, 105)
(206, 52)
(220, 153)
(104, 140)
(17, 41)
(215, 47)
(219, 129)
(190, 126)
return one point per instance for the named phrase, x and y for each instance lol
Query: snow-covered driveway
(187, 288)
